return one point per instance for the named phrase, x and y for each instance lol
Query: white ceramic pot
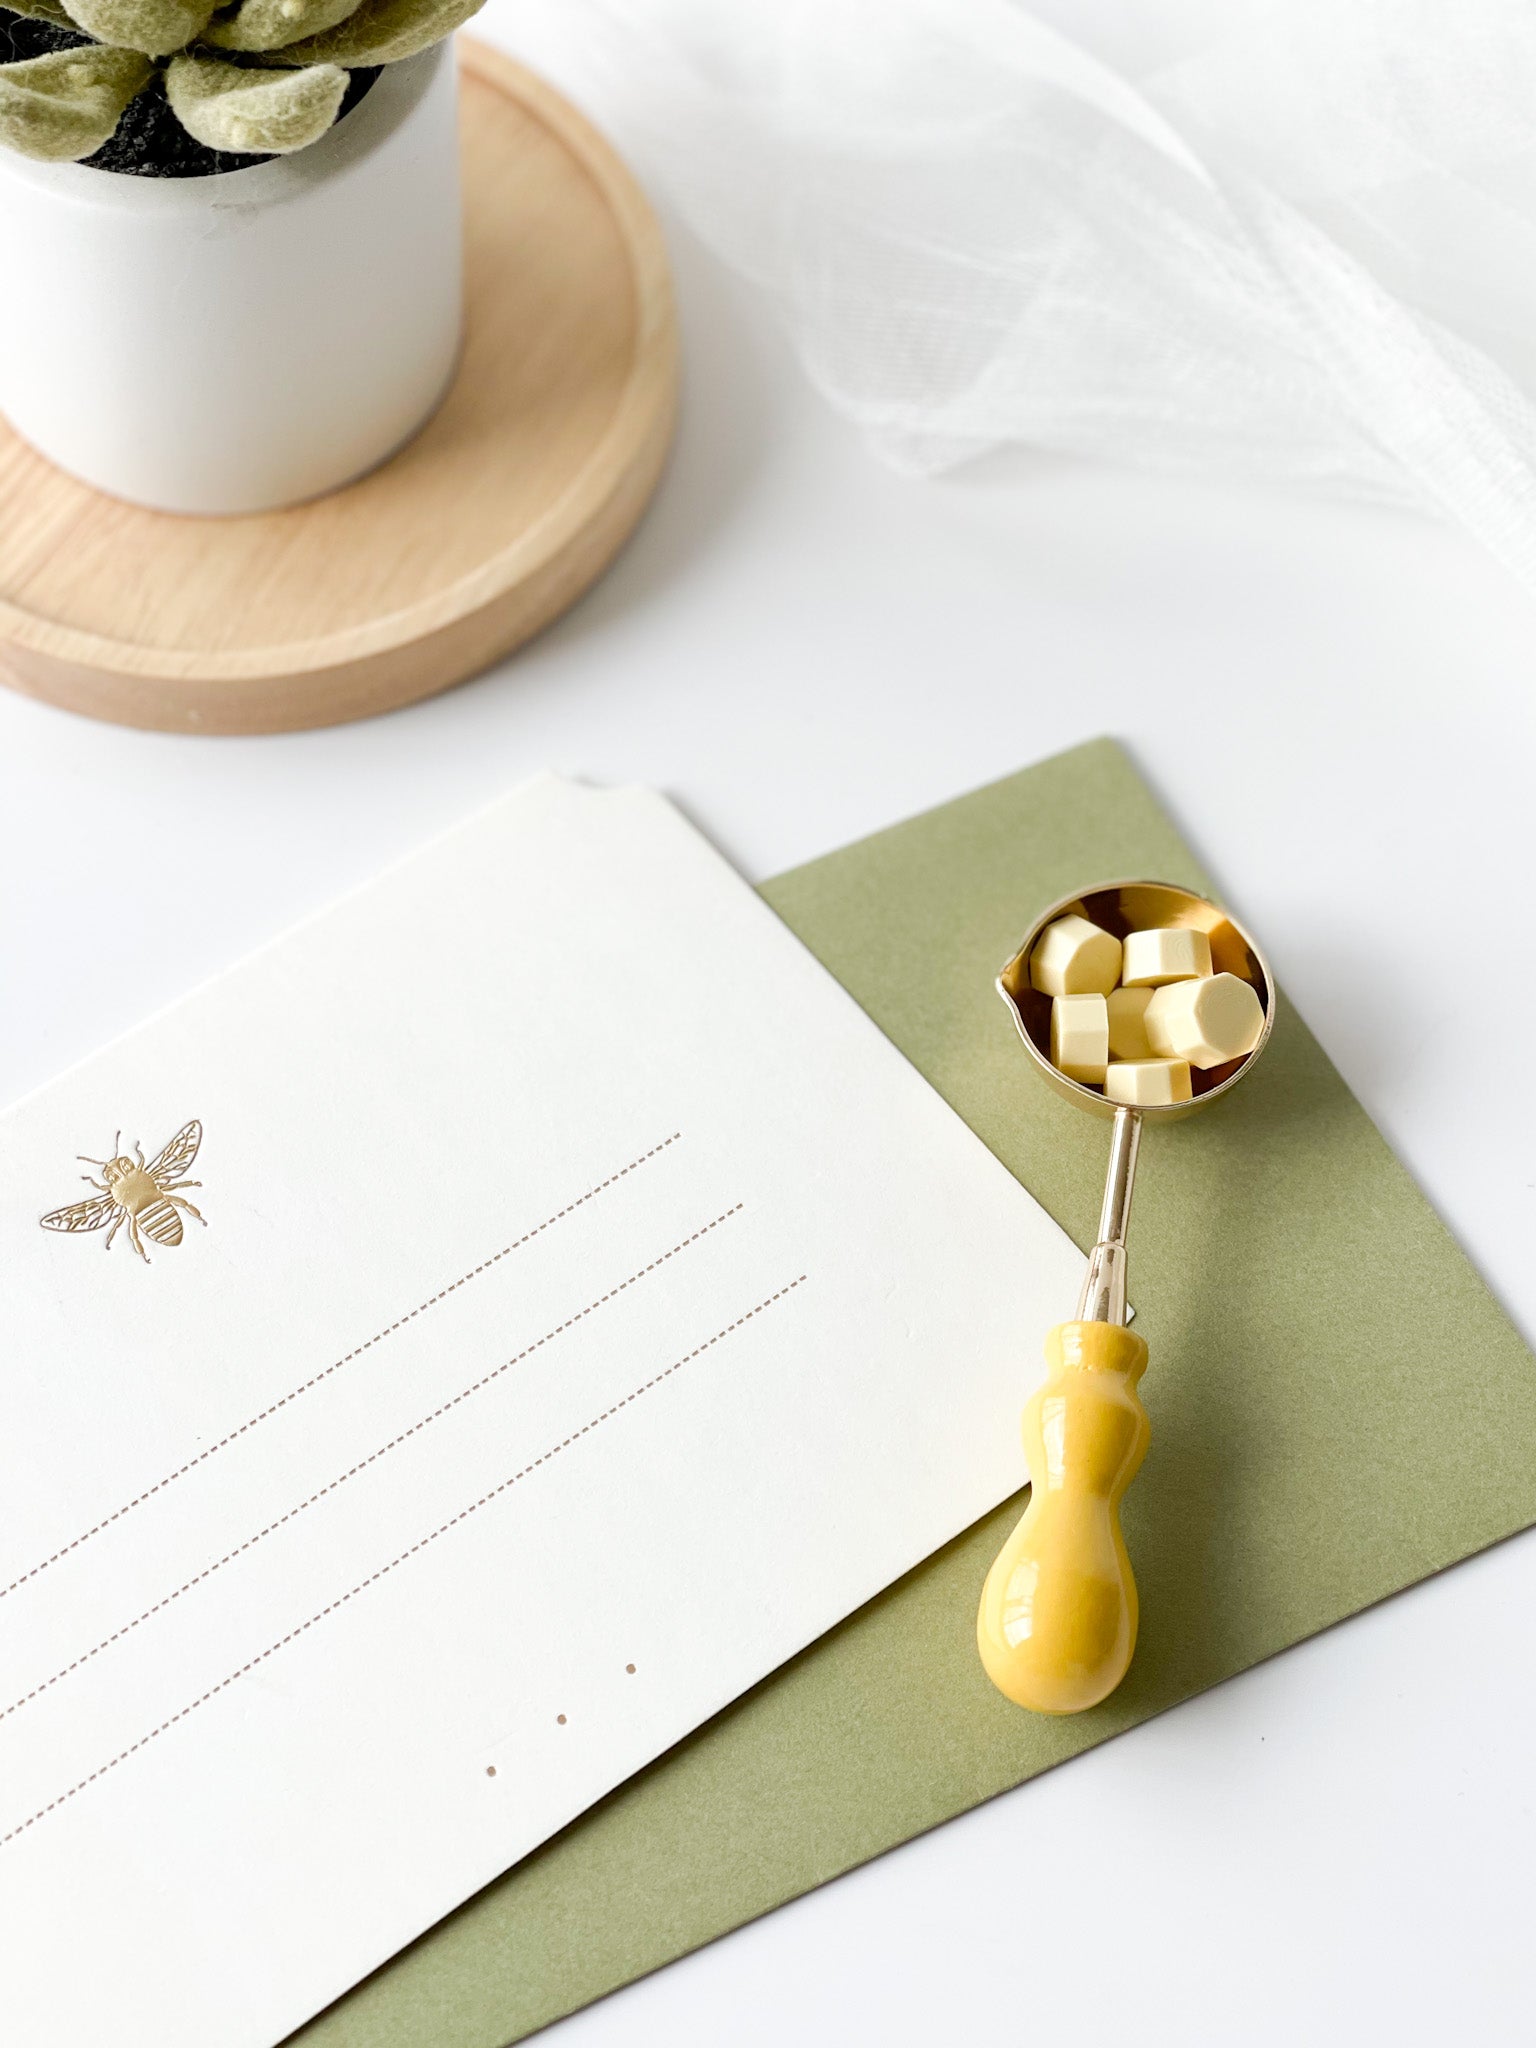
(235, 343)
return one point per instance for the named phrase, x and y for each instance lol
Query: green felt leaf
(43, 10)
(64, 105)
(269, 24)
(154, 26)
(272, 112)
(382, 32)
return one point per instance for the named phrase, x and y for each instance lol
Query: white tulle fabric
(1292, 241)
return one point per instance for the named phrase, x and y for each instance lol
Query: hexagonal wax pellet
(1080, 1036)
(1147, 1083)
(1177, 952)
(1074, 958)
(1127, 1027)
(1205, 1022)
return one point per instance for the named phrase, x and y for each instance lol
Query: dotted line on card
(346, 1359)
(373, 1457)
(384, 1570)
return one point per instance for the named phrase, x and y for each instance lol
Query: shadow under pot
(241, 341)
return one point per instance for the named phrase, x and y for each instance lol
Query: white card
(587, 1308)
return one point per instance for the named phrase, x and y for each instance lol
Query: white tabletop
(1338, 705)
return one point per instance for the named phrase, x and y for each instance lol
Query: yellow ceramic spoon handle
(1057, 1624)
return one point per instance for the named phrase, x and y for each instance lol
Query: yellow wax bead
(1127, 1028)
(1176, 953)
(1074, 958)
(1146, 1083)
(1205, 1022)
(1080, 1036)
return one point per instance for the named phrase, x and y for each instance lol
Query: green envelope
(1338, 1406)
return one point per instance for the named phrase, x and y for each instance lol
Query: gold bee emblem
(143, 1197)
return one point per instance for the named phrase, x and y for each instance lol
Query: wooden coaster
(504, 509)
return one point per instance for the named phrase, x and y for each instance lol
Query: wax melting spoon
(1057, 1625)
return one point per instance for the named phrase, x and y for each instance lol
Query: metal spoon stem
(1103, 1297)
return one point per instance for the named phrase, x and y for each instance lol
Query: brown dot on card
(561, 1719)
(490, 1770)
(630, 1669)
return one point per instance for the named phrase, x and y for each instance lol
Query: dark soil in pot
(149, 142)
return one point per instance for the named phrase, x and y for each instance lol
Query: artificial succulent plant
(251, 79)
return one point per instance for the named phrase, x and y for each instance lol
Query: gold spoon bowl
(1121, 907)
